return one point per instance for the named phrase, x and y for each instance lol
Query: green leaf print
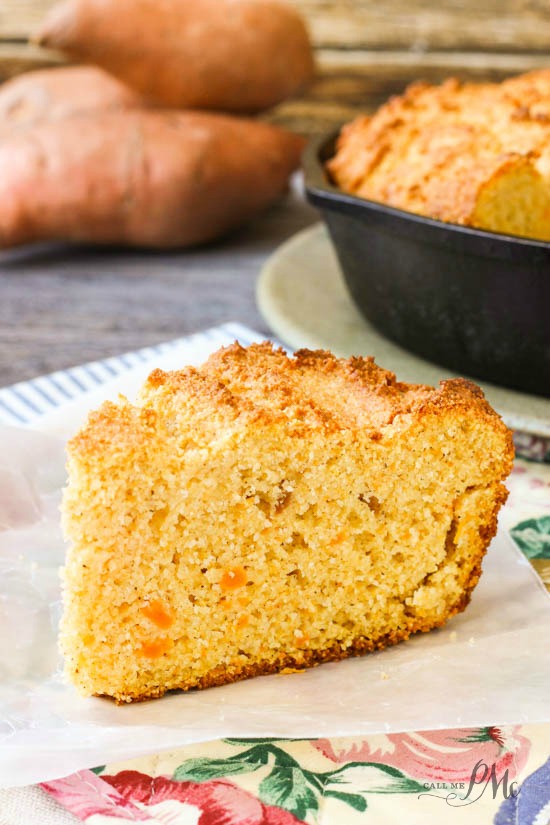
(354, 800)
(478, 735)
(533, 537)
(288, 788)
(260, 741)
(372, 777)
(201, 770)
(298, 790)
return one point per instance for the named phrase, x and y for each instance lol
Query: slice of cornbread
(476, 154)
(265, 512)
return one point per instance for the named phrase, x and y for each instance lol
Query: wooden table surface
(61, 306)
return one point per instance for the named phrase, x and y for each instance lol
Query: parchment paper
(488, 666)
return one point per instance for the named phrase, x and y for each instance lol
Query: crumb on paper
(384, 675)
(286, 670)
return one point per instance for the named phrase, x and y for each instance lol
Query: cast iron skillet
(476, 302)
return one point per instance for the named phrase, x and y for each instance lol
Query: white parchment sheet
(488, 666)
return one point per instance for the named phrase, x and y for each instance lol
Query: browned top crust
(261, 384)
(432, 149)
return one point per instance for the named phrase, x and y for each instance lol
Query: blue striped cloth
(23, 404)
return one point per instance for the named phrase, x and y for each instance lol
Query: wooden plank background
(366, 49)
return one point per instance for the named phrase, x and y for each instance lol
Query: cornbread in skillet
(265, 512)
(476, 154)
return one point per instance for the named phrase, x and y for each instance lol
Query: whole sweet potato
(140, 177)
(229, 55)
(54, 94)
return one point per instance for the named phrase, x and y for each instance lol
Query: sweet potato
(54, 94)
(230, 55)
(140, 177)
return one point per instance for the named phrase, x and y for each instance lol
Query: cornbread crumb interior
(264, 513)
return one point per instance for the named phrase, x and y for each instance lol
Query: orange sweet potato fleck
(233, 578)
(156, 648)
(301, 639)
(158, 613)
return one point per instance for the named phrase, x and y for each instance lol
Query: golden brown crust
(262, 384)
(363, 395)
(372, 396)
(440, 150)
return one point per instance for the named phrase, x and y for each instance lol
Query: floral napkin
(490, 774)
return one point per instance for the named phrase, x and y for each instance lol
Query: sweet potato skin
(229, 55)
(140, 178)
(55, 94)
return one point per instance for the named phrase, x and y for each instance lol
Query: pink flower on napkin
(216, 802)
(85, 794)
(437, 755)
